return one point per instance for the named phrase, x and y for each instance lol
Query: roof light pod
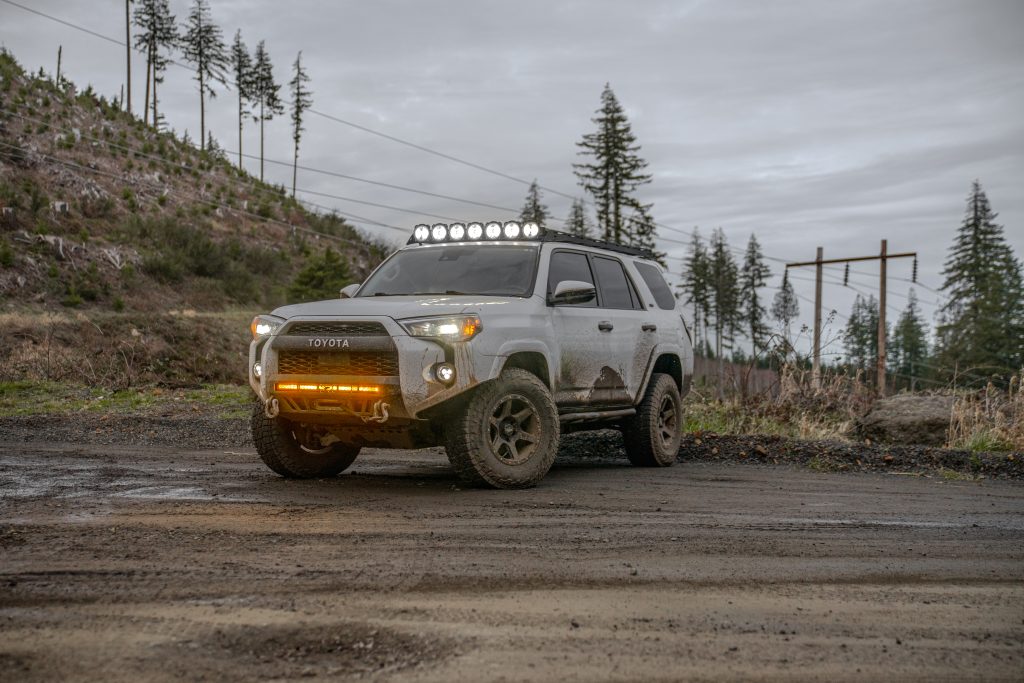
(475, 231)
(456, 231)
(439, 231)
(530, 230)
(493, 230)
(421, 233)
(511, 230)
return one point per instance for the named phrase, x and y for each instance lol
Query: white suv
(490, 340)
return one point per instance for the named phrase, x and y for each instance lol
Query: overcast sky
(808, 122)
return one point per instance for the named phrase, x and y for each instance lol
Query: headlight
(457, 231)
(264, 325)
(448, 328)
(475, 231)
(493, 231)
(439, 231)
(511, 230)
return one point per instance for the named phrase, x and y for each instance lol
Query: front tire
(283, 449)
(653, 435)
(506, 435)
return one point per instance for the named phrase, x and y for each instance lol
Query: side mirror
(349, 291)
(572, 292)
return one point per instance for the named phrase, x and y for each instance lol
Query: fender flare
(685, 360)
(509, 348)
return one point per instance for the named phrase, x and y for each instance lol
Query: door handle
(649, 327)
(605, 326)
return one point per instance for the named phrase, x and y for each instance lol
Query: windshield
(498, 270)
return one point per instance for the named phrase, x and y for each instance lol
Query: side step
(596, 416)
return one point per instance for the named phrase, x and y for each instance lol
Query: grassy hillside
(128, 256)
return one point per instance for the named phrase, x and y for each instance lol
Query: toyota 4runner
(490, 340)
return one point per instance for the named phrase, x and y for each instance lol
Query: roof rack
(550, 235)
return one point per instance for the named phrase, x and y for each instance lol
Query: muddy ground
(164, 561)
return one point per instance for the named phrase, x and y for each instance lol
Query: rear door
(632, 335)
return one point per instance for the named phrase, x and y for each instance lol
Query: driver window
(570, 265)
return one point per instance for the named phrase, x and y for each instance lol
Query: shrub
(321, 278)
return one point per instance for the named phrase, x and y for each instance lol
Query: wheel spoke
(496, 445)
(506, 408)
(527, 437)
(522, 415)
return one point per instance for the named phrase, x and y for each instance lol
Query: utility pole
(816, 367)
(883, 258)
(128, 54)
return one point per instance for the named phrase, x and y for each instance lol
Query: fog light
(445, 373)
(421, 233)
(439, 231)
(475, 231)
(457, 231)
(493, 231)
(511, 230)
(257, 370)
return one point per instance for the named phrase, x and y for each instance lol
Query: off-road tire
(653, 435)
(281, 452)
(480, 423)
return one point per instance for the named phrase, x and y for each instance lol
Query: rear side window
(570, 265)
(656, 283)
(616, 291)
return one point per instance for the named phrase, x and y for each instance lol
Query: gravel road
(163, 563)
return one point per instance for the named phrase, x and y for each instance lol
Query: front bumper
(408, 389)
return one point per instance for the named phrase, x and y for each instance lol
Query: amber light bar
(328, 388)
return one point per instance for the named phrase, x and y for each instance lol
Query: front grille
(337, 328)
(363, 363)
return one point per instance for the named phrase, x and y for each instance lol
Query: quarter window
(656, 283)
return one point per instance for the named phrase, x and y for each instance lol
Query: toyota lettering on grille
(328, 343)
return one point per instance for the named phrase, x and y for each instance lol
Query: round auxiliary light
(439, 231)
(475, 231)
(511, 230)
(421, 233)
(456, 231)
(493, 231)
(531, 229)
(444, 372)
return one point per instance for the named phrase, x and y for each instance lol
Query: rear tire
(278, 444)
(653, 435)
(506, 435)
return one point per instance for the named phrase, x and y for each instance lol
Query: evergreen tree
(302, 99)
(696, 287)
(242, 80)
(578, 223)
(322, 278)
(723, 281)
(614, 172)
(786, 308)
(908, 348)
(860, 338)
(158, 33)
(265, 92)
(203, 45)
(753, 277)
(641, 230)
(982, 324)
(534, 208)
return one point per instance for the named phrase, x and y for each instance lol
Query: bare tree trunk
(239, 130)
(261, 141)
(202, 114)
(295, 168)
(156, 118)
(149, 75)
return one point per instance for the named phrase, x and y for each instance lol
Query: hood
(396, 307)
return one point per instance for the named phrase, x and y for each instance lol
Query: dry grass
(799, 410)
(990, 420)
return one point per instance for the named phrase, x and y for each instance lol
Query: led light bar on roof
(474, 232)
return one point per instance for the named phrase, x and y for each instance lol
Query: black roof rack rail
(556, 236)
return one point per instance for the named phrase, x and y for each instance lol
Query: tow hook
(271, 408)
(380, 413)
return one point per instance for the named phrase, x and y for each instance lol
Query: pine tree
(753, 277)
(302, 99)
(723, 281)
(641, 230)
(158, 33)
(860, 338)
(908, 348)
(786, 308)
(242, 80)
(982, 324)
(265, 92)
(203, 45)
(696, 287)
(614, 172)
(534, 209)
(578, 223)
(321, 278)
